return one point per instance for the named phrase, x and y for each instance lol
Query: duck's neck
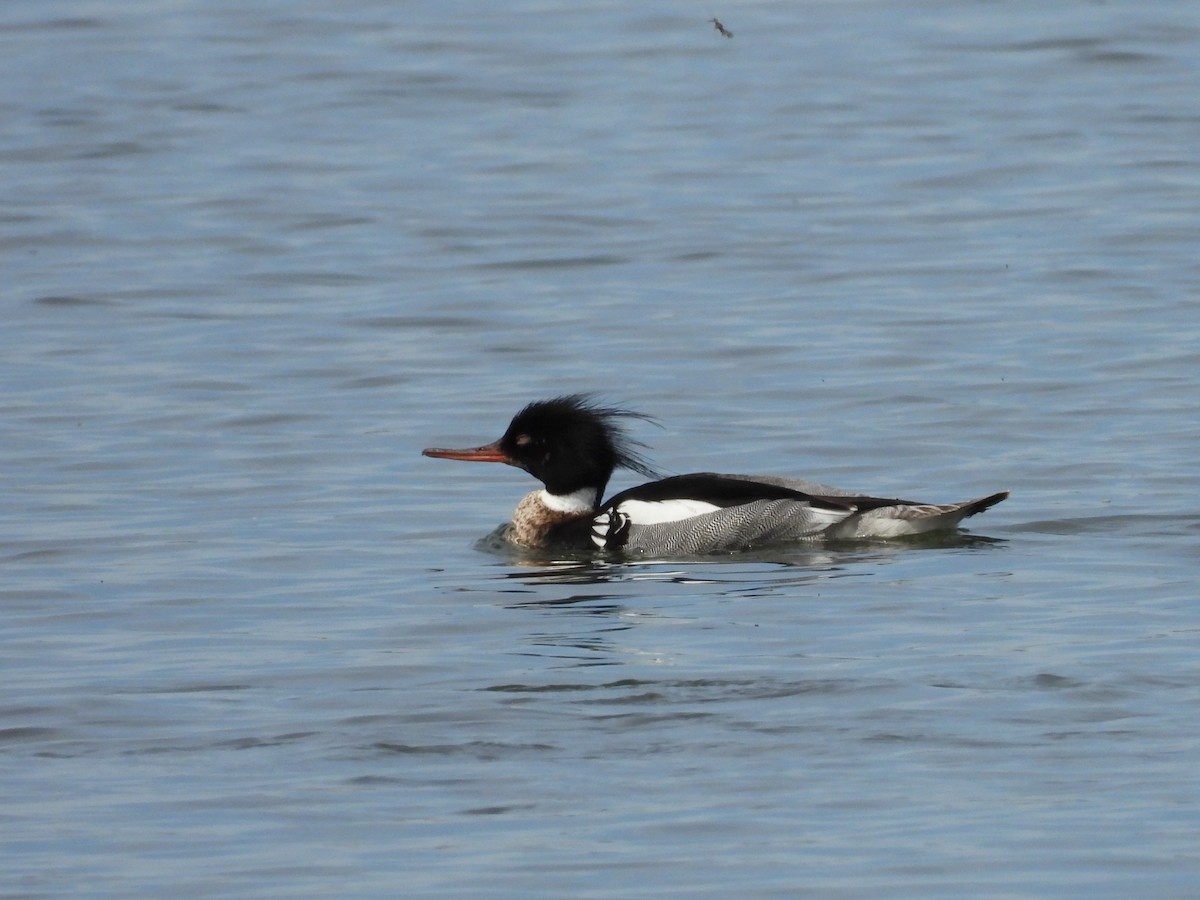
(584, 500)
(543, 516)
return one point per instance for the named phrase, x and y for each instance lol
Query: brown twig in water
(721, 28)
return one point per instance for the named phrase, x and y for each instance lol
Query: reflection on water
(824, 556)
(617, 624)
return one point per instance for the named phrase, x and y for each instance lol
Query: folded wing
(708, 512)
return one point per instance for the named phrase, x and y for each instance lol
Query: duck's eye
(524, 440)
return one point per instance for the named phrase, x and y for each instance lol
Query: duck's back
(711, 513)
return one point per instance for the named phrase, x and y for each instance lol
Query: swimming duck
(573, 444)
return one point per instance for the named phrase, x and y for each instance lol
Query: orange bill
(486, 453)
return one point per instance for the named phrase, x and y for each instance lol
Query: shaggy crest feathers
(579, 414)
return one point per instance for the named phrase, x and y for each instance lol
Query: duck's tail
(901, 519)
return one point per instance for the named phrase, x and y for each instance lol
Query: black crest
(573, 442)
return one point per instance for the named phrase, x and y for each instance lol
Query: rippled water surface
(258, 255)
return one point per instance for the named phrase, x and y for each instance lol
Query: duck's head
(570, 444)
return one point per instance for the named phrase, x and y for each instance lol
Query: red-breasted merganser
(572, 445)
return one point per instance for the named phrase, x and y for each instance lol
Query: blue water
(258, 255)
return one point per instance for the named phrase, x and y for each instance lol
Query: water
(258, 255)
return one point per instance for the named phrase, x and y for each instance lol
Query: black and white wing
(710, 513)
(707, 513)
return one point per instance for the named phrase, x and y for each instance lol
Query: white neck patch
(581, 501)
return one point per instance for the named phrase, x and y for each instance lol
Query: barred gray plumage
(767, 522)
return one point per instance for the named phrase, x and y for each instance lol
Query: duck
(573, 444)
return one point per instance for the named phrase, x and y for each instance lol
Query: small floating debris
(721, 29)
